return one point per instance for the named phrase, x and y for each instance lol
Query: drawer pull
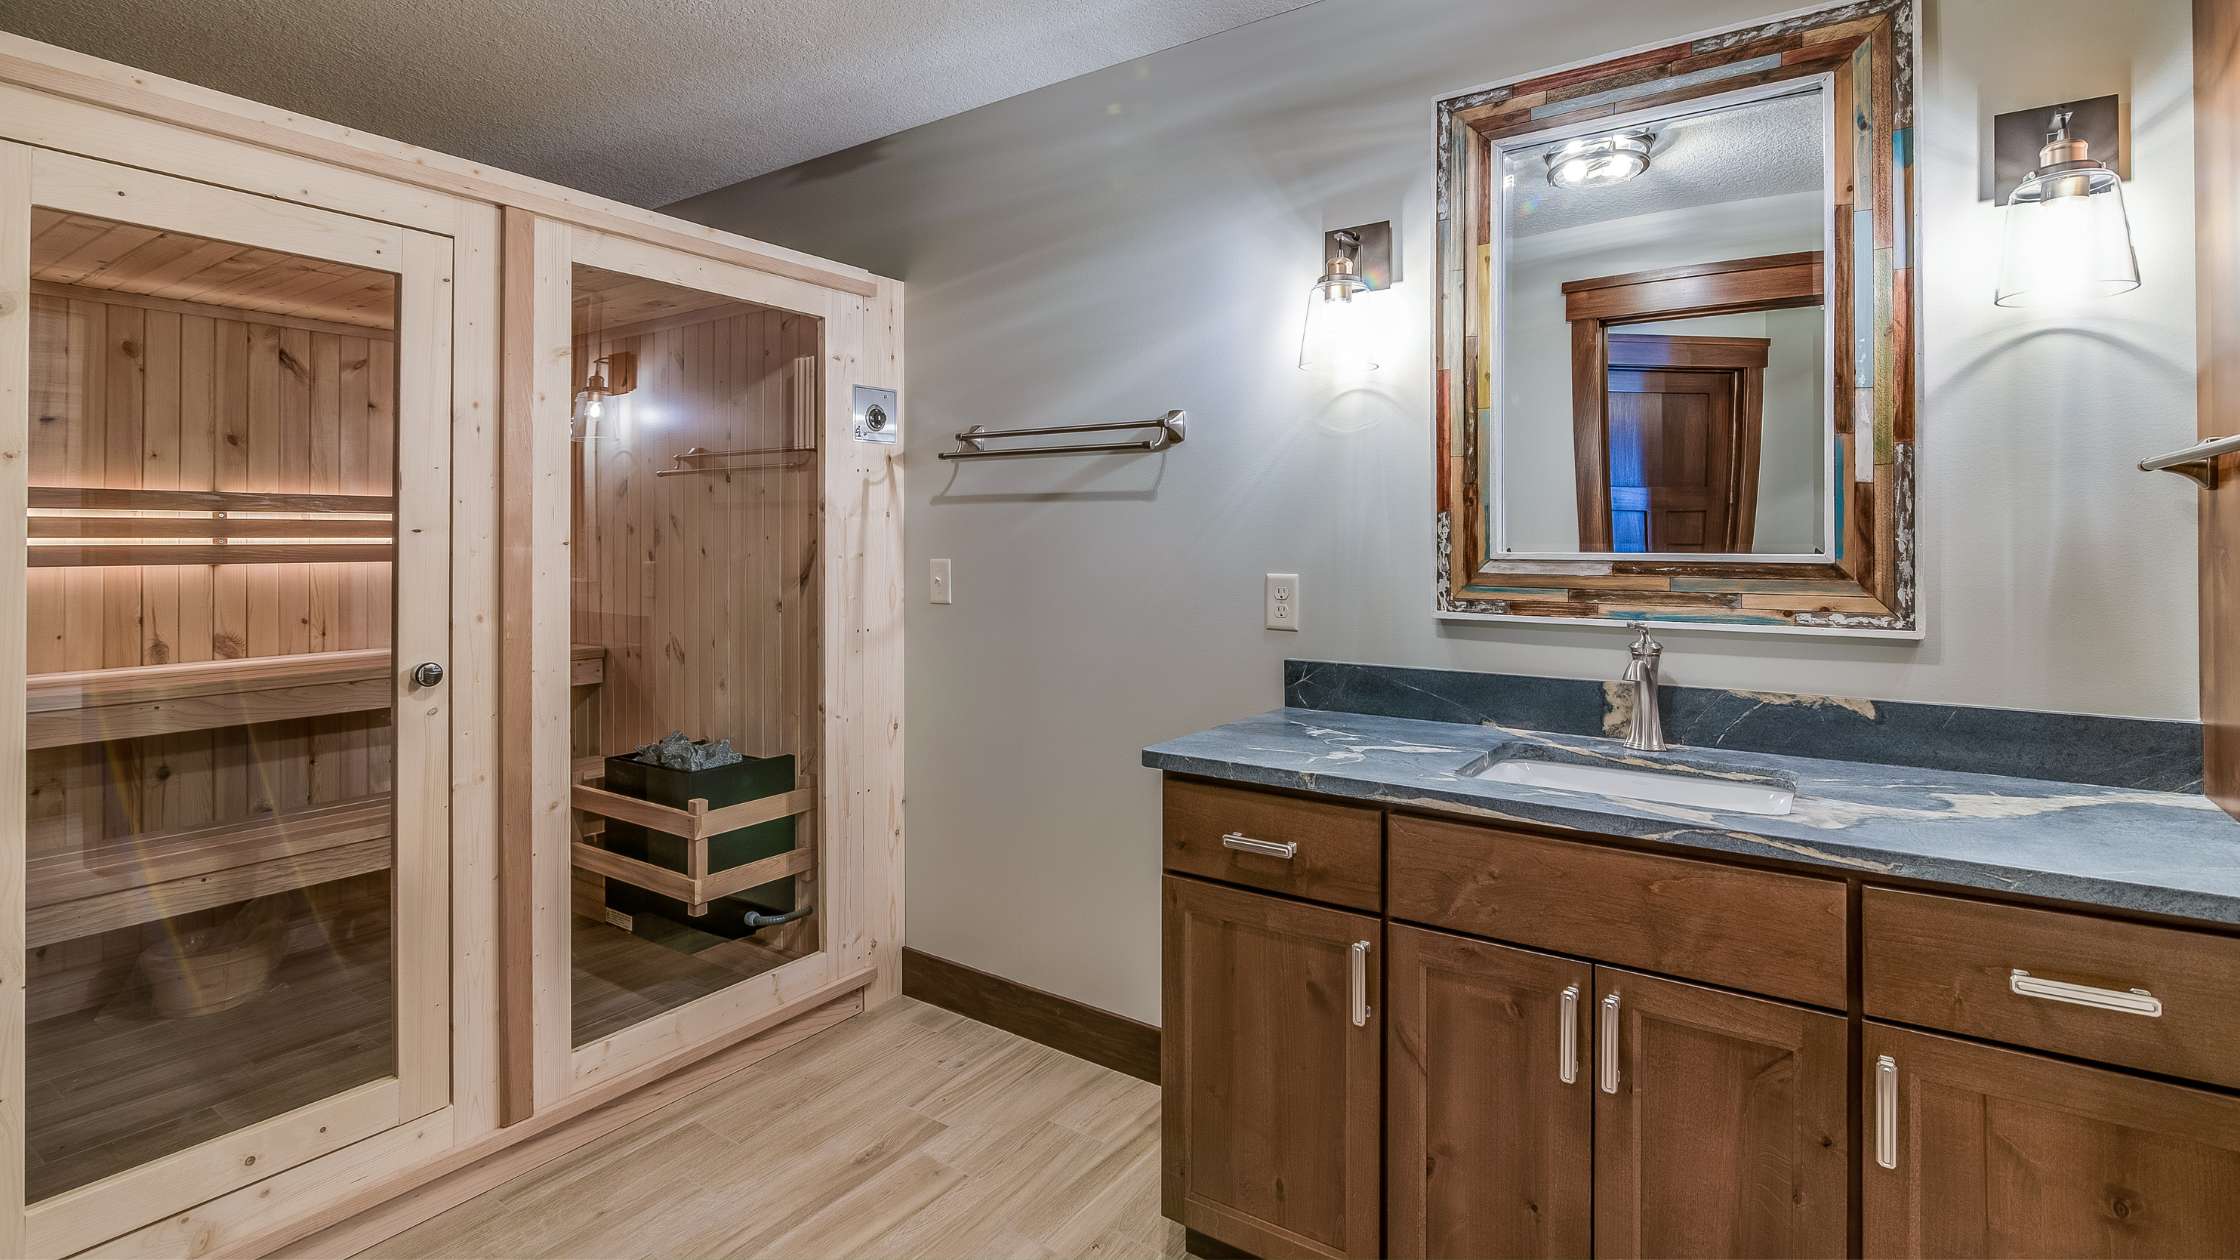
(1609, 1054)
(1567, 1041)
(1886, 1111)
(1269, 848)
(1360, 984)
(2136, 1002)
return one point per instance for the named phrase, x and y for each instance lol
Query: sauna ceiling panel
(78, 255)
(608, 301)
(647, 104)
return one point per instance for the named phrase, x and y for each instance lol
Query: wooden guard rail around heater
(696, 886)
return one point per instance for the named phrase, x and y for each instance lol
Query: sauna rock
(675, 752)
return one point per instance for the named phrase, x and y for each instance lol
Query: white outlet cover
(1281, 598)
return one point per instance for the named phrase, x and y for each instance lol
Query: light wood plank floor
(906, 1131)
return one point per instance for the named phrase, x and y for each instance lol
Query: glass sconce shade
(1338, 331)
(2067, 238)
(1598, 161)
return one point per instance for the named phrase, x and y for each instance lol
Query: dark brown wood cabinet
(1634, 1054)
(1975, 1150)
(1489, 1106)
(1269, 1065)
(1720, 1123)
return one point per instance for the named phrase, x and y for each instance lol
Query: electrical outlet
(940, 584)
(1283, 601)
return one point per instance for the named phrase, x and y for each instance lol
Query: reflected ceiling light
(1339, 335)
(1597, 161)
(2067, 235)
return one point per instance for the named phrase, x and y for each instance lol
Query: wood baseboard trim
(420, 1194)
(1084, 1031)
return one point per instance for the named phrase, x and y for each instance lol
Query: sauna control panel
(878, 415)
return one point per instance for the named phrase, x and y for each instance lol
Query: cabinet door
(227, 555)
(1719, 1125)
(1489, 1128)
(1269, 1068)
(1978, 1151)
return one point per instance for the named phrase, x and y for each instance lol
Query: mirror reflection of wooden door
(1684, 420)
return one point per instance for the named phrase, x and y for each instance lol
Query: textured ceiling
(645, 101)
(1759, 149)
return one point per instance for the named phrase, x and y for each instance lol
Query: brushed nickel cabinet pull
(1886, 1111)
(1567, 1041)
(2136, 1002)
(1609, 1055)
(1270, 848)
(1360, 984)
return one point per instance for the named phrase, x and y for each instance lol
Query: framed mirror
(1675, 334)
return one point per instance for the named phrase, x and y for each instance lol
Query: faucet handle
(1644, 646)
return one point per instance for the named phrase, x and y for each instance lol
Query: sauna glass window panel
(210, 829)
(695, 598)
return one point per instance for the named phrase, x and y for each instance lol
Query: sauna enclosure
(371, 513)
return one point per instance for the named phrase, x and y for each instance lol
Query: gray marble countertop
(2161, 852)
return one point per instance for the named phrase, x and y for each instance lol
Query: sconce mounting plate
(1373, 262)
(2017, 137)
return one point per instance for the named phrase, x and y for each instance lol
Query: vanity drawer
(1227, 834)
(1761, 931)
(1952, 963)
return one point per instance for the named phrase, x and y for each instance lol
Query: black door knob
(428, 675)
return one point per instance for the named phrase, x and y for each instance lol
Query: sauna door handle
(427, 675)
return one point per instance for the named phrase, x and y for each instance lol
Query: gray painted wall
(1143, 238)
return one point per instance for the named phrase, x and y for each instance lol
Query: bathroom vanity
(1412, 1011)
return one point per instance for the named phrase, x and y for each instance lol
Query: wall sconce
(2067, 236)
(611, 375)
(1340, 335)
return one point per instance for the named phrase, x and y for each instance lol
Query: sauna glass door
(695, 599)
(234, 557)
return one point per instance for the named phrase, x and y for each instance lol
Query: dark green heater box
(748, 780)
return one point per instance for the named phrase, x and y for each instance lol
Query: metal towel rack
(786, 457)
(2198, 461)
(973, 442)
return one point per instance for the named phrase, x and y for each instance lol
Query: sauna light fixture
(2067, 236)
(1339, 332)
(1598, 161)
(611, 375)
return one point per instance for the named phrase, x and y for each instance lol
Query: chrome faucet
(1647, 732)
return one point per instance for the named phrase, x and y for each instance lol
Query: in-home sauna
(210, 801)
(693, 609)
(370, 511)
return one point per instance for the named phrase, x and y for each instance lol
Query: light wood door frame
(1742, 362)
(856, 824)
(421, 955)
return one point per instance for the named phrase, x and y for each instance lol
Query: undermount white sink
(1644, 785)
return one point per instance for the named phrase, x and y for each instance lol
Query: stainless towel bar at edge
(973, 442)
(2198, 461)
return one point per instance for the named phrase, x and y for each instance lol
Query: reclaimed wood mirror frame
(1867, 588)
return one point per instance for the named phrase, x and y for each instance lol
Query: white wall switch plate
(1283, 601)
(940, 585)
